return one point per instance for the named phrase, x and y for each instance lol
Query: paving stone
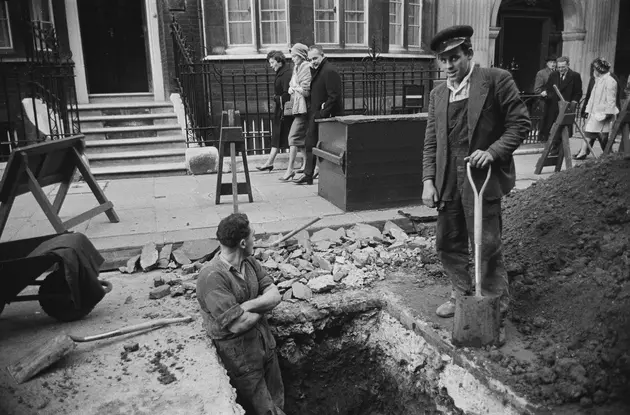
(328, 234)
(323, 245)
(304, 265)
(296, 254)
(180, 257)
(286, 284)
(321, 262)
(165, 256)
(289, 270)
(198, 249)
(131, 266)
(149, 257)
(270, 264)
(160, 292)
(301, 291)
(322, 283)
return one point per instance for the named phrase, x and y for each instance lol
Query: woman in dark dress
(281, 124)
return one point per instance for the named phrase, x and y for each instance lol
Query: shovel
(56, 348)
(477, 319)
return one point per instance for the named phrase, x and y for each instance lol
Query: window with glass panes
(239, 22)
(273, 22)
(6, 42)
(355, 22)
(326, 21)
(396, 22)
(413, 26)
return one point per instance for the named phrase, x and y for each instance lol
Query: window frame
(5, 4)
(50, 11)
(252, 12)
(408, 25)
(400, 46)
(337, 11)
(341, 25)
(287, 27)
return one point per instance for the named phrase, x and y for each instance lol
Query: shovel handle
(290, 234)
(478, 223)
(133, 329)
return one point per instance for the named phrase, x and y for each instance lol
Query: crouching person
(234, 294)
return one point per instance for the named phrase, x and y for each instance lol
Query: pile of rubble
(325, 261)
(336, 259)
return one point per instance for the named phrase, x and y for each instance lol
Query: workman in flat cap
(475, 117)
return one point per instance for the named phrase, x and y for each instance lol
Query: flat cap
(450, 38)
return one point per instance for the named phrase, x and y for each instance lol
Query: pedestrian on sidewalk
(281, 123)
(542, 77)
(476, 116)
(326, 101)
(601, 107)
(234, 293)
(300, 89)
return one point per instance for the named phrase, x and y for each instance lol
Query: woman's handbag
(287, 110)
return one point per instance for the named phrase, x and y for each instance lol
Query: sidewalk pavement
(181, 208)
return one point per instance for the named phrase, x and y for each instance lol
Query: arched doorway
(531, 30)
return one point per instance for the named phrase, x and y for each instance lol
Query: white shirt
(462, 91)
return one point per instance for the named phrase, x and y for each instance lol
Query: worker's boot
(447, 309)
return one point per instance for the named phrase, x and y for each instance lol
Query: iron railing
(37, 97)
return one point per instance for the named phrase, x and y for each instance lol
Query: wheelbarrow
(18, 271)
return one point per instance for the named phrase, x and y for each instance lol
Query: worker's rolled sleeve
(220, 302)
(264, 280)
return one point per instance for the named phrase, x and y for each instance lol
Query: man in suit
(326, 101)
(540, 84)
(570, 85)
(476, 116)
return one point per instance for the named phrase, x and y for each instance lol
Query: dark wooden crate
(371, 162)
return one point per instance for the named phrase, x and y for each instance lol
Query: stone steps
(130, 135)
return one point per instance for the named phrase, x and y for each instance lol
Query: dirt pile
(566, 246)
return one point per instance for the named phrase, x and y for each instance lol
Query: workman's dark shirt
(221, 289)
(457, 149)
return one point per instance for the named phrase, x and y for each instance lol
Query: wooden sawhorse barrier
(566, 118)
(622, 124)
(232, 134)
(34, 167)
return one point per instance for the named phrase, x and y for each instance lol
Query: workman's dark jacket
(498, 122)
(570, 87)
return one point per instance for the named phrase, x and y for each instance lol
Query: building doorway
(530, 31)
(114, 44)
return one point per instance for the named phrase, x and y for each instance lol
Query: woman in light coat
(601, 107)
(299, 88)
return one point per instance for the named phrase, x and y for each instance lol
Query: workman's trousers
(254, 372)
(312, 138)
(455, 228)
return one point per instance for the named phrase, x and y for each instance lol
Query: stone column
(573, 47)
(494, 34)
(601, 34)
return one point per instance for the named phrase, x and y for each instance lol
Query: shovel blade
(477, 321)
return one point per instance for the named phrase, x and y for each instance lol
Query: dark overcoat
(498, 121)
(281, 124)
(326, 88)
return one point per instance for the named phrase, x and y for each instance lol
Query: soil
(566, 247)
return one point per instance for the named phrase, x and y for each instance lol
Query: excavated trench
(346, 354)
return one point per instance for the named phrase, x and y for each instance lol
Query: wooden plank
(234, 177)
(61, 195)
(226, 189)
(247, 180)
(87, 215)
(43, 202)
(219, 186)
(93, 185)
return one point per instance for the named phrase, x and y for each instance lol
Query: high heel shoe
(304, 180)
(287, 178)
(264, 168)
(316, 175)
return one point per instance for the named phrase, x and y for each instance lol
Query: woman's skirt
(297, 135)
(281, 128)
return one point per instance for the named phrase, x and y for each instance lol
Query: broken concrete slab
(180, 257)
(321, 262)
(198, 249)
(289, 270)
(364, 231)
(395, 231)
(178, 291)
(284, 285)
(361, 257)
(322, 283)
(270, 264)
(301, 291)
(132, 265)
(149, 257)
(304, 241)
(304, 265)
(287, 295)
(160, 292)
(165, 256)
(328, 234)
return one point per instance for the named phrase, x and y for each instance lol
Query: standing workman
(234, 293)
(476, 116)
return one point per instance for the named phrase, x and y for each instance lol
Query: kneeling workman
(234, 293)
